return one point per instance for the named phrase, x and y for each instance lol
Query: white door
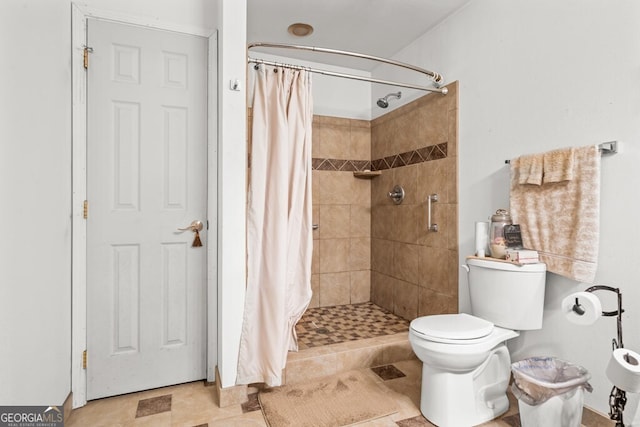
(146, 177)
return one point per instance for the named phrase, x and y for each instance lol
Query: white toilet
(466, 364)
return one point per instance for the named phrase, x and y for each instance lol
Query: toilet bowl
(455, 352)
(465, 363)
(465, 371)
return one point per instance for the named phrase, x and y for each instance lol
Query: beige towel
(531, 169)
(558, 165)
(561, 219)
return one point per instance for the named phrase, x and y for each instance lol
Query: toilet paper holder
(577, 308)
(617, 398)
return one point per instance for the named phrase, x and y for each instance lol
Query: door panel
(146, 177)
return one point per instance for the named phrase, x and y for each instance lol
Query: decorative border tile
(388, 372)
(252, 404)
(417, 421)
(340, 165)
(153, 405)
(424, 154)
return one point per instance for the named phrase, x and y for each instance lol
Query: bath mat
(340, 400)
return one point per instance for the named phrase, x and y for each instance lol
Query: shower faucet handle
(396, 194)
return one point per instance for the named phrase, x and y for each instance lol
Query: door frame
(79, 16)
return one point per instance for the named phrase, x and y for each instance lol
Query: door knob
(194, 226)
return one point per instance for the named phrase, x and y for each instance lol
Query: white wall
(232, 162)
(190, 15)
(332, 96)
(535, 76)
(35, 189)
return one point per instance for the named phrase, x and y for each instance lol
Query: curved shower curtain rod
(436, 78)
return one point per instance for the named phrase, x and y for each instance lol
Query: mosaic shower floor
(336, 324)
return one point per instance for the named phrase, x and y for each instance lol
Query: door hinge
(85, 56)
(84, 359)
(85, 209)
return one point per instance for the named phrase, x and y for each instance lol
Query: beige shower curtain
(279, 239)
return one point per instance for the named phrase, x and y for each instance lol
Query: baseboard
(228, 396)
(67, 407)
(593, 418)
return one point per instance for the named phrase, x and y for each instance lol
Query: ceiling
(374, 27)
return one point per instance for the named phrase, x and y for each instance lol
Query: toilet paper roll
(482, 238)
(587, 302)
(623, 370)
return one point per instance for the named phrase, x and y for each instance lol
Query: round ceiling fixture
(300, 30)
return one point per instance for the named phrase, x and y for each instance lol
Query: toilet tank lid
(452, 326)
(498, 264)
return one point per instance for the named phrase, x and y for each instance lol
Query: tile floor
(360, 336)
(193, 405)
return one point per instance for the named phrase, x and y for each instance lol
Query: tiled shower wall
(414, 271)
(342, 209)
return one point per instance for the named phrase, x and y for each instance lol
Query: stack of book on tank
(522, 256)
(515, 252)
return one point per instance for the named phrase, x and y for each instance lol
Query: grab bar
(431, 198)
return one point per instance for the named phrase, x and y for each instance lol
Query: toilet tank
(506, 294)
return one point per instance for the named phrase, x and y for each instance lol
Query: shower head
(384, 101)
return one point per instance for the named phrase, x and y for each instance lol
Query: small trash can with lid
(550, 391)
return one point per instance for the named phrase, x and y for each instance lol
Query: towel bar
(610, 147)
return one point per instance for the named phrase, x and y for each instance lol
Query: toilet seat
(452, 328)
